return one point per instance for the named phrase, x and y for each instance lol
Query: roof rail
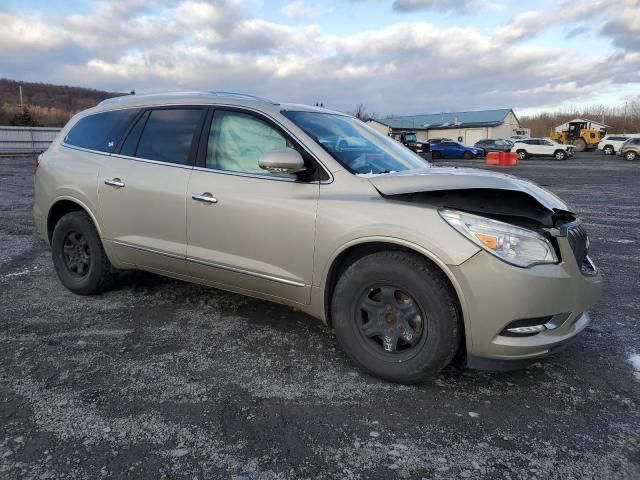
(223, 93)
(216, 93)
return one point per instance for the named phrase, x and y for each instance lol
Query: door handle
(205, 197)
(114, 182)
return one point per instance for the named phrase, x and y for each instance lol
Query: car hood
(453, 178)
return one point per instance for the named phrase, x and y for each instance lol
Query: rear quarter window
(100, 131)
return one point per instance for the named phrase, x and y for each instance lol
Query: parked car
(451, 149)
(410, 140)
(542, 147)
(494, 145)
(612, 143)
(407, 262)
(630, 149)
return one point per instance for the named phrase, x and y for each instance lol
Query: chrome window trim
(148, 160)
(210, 264)
(254, 175)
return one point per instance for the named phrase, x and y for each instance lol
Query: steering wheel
(341, 145)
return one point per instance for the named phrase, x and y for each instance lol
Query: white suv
(612, 143)
(542, 147)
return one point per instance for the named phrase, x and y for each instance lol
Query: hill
(50, 105)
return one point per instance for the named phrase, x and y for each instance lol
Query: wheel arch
(353, 251)
(63, 205)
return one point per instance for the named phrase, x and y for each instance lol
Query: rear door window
(167, 135)
(100, 131)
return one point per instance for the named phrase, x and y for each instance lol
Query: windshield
(410, 137)
(359, 148)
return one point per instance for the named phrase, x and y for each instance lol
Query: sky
(397, 57)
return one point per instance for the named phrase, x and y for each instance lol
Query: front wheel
(608, 150)
(78, 256)
(395, 314)
(467, 155)
(631, 156)
(522, 154)
(560, 155)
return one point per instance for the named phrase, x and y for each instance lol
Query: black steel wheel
(467, 155)
(397, 316)
(390, 321)
(78, 255)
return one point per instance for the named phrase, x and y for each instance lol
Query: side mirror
(286, 160)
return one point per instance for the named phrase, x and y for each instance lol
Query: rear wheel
(78, 255)
(522, 154)
(435, 155)
(560, 155)
(608, 150)
(631, 156)
(395, 314)
(580, 145)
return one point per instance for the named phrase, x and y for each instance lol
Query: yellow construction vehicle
(579, 134)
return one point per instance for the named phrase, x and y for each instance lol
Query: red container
(507, 159)
(492, 159)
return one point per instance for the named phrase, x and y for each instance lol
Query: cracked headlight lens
(515, 245)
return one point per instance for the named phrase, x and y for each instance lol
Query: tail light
(38, 160)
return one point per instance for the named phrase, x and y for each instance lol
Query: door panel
(147, 215)
(258, 236)
(142, 190)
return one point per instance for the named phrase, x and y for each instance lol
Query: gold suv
(409, 263)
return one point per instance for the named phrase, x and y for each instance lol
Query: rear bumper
(497, 294)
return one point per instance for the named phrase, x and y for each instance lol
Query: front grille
(579, 243)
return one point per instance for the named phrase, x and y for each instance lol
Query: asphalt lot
(164, 379)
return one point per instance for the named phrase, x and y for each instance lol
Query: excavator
(580, 135)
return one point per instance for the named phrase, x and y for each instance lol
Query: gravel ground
(164, 379)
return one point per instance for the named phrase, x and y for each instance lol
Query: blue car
(454, 150)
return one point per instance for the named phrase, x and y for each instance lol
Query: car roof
(204, 97)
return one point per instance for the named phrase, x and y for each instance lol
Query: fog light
(527, 330)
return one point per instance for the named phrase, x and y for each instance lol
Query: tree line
(45, 104)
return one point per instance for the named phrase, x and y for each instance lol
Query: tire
(608, 150)
(408, 350)
(435, 155)
(580, 145)
(522, 154)
(560, 155)
(78, 255)
(630, 156)
(467, 155)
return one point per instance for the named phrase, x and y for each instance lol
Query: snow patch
(634, 360)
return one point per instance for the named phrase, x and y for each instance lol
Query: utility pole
(21, 102)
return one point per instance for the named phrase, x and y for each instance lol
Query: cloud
(300, 9)
(460, 6)
(624, 27)
(407, 67)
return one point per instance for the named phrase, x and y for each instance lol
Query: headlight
(515, 245)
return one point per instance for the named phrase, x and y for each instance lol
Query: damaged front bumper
(499, 297)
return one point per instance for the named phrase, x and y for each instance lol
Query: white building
(466, 127)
